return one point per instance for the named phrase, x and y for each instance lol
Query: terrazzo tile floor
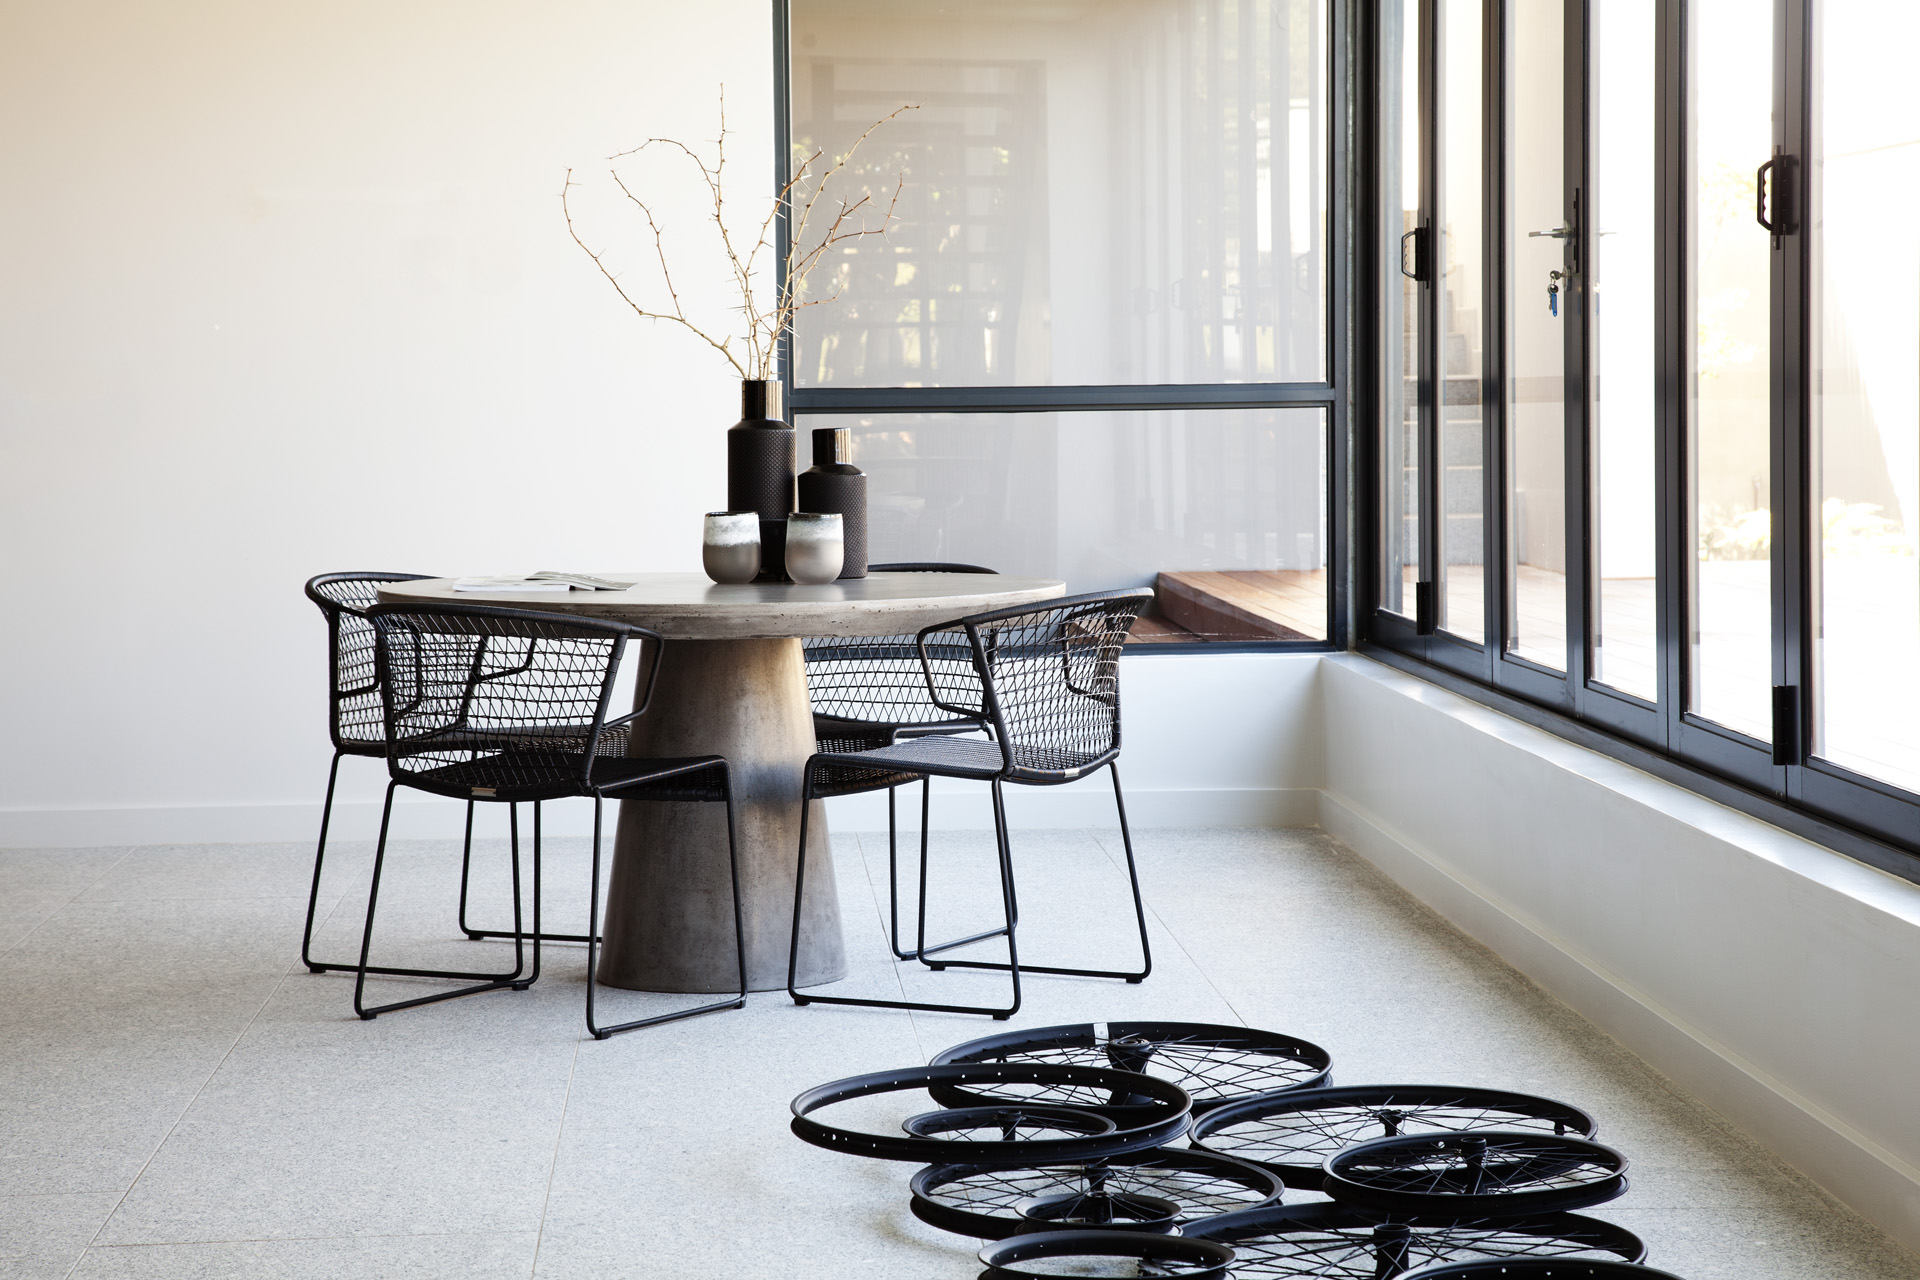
(181, 1098)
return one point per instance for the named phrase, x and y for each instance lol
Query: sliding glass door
(1649, 421)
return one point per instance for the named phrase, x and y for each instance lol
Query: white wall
(1207, 740)
(287, 290)
(1770, 977)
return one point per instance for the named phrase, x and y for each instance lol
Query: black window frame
(1332, 396)
(1780, 782)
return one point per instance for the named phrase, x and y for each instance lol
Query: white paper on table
(513, 582)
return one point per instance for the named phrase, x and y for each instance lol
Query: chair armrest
(951, 665)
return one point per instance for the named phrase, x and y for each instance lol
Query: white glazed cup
(730, 548)
(816, 547)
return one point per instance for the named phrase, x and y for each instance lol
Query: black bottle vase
(834, 484)
(760, 470)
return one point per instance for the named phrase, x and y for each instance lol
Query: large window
(1096, 343)
(1647, 346)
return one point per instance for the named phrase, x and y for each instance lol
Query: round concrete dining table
(732, 683)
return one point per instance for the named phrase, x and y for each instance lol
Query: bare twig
(764, 327)
(678, 316)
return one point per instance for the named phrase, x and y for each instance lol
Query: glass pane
(1537, 261)
(1731, 110)
(1625, 153)
(1399, 310)
(1461, 269)
(1223, 511)
(1865, 180)
(1094, 193)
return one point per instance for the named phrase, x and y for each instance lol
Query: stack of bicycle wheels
(1056, 1144)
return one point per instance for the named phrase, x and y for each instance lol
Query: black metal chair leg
(1139, 911)
(490, 981)
(1133, 878)
(477, 934)
(799, 899)
(593, 944)
(921, 951)
(514, 818)
(313, 897)
(319, 856)
(893, 881)
(466, 865)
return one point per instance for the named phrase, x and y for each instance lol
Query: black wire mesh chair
(509, 706)
(355, 723)
(1046, 679)
(868, 691)
(355, 718)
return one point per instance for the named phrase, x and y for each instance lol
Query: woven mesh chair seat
(549, 775)
(943, 757)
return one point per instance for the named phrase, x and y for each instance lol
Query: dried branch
(764, 327)
(678, 316)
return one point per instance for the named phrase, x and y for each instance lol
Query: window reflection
(1460, 278)
(1096, 193)
(1625, 294)
(1223, 511)
(1865, 176)
(1399, 177)
(1731, 672)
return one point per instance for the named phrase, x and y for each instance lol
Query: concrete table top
(733, 683)
(686, 606)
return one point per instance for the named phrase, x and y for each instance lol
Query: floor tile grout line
(106, 871)
(553, 1167)
(1154, 912)
(168, 1135)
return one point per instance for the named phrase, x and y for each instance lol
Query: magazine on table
(545, 580)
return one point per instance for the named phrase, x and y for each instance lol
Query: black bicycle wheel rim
(1161, 1119)
(1293, 1133)
(1013, 1258)
(984, 1202)
(1479, 1173)
(1330, 1241)
(1536, 1269)
(1216, 1064)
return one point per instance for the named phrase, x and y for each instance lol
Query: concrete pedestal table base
(669, 917)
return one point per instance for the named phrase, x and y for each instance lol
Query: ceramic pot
(730, 546)
(814, 547)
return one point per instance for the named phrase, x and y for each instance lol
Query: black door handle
(1419, 267)
(1777, 172)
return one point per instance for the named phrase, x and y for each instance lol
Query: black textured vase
(833, 484)
(760, 470)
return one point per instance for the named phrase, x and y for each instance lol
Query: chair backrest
(353, 693)
(529, 690)
(878, 679)
(1047, 678)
